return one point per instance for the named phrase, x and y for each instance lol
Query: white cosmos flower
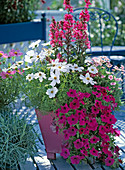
(52, 92)
(20, 62)
(30, 56)
(27, 67)
(45, 44)
(61, 68)
(54, 63)
(76, 68)
(40, 56)
(93, 70)
(55, 78)
(34, 44)
(40, 75)
(30, 77)
(87, 79)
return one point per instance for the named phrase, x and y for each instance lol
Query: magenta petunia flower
(75, 159)
(74, 104)
(97, 94)
(81, 130)
(102, 129)
(80, 95)
(72, 93)
(109, 161)
(84, 152)
(57, 112)
(104, 118)
(86, 131)
(78, 144)
(94, 152)
(82, 121)
(98, 103)
(62, 119)
(72, 120)
(92, 124)
(95, 110)
(84, 140)
(111, 119)
(65, 153)
(79, 113)
(106, 98)
(86, 146)
(72, 131)
(94, 139)
(105, 137)
(64, 109)
(103, 91)
(87, 95)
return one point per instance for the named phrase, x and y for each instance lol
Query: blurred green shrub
(14, 11)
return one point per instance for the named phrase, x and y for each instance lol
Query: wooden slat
(61, 163)
(42, 162)
(83, 166)
(28, 165)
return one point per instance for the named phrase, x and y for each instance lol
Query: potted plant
(17, 140)
(63, 68)
(16, 21)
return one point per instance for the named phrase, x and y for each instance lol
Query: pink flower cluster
(8, 73)
(87, 123)
(67, 31)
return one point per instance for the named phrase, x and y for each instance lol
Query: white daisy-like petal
(40, 76)
(75, 67)
(55, 79)
(34, 44)
(52, 92)
(30, 56)
(30, 77)
(93, 70)
(87, 79)
(27, 68)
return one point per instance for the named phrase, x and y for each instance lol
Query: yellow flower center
(76, 67)
(37, 56)
(40, 74)
(55, 77)
(15, 52)
(9, 71)
(7, 75)
(1, 54)
(54, 65)
(88, 78)
(52, 91)
(59, 67)
(29, 77)
(92, 69)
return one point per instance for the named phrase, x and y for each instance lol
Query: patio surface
(42, 163)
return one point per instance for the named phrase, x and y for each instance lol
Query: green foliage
(9, 90)
(17, 140)
(17, 11)
(10, 79)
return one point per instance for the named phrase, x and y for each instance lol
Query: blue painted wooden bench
(25, 31)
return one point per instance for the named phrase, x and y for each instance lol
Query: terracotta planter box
(52, 140)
